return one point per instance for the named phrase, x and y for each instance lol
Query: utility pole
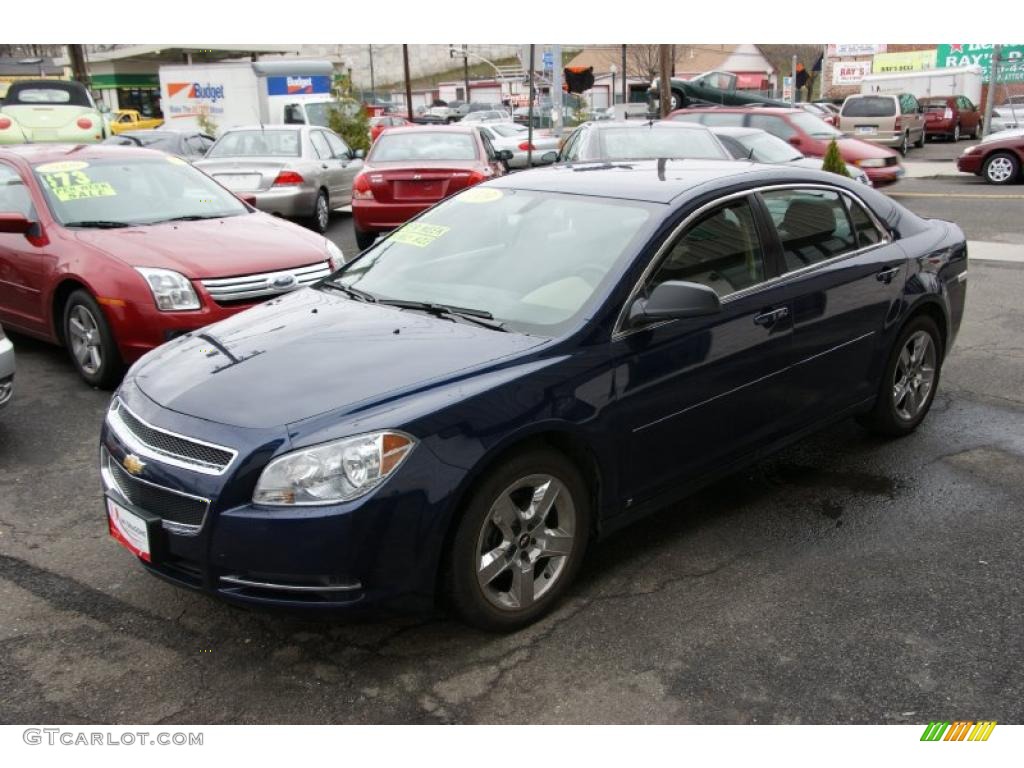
(465, 71)
(664, 76)
(373, 86)
(408, 82)
(990, 100)
(556, 88)
(529, 130)
(76, 54)
(625, 78)
(792, 90)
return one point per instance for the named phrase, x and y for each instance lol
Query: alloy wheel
(914, 376)
(86, 343)
(525, 542)
(999, 169)
(323, 212)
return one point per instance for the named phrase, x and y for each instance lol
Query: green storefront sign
(1011, 62)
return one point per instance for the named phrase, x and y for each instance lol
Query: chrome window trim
(620, 331)
(128, 437)
(110, 483)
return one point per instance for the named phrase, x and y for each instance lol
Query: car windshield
(870, 106)
(257, 143)
(129, 191)
(813, 126)
(535, 261)
(420, 145)
(768, 148)
(646, 142)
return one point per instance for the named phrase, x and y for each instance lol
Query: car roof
(43, 153)
(654, 181)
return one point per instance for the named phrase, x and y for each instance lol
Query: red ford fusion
(807, 133)
(111, 251)
(410, 169)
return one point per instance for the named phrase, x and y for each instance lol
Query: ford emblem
(283, 282)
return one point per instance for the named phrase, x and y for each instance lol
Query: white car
(6, 369)
(515, 138)
(488, 116)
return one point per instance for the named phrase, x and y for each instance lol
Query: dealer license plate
(129, 530)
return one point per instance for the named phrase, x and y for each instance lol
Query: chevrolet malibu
(111, 251)
(529, 365)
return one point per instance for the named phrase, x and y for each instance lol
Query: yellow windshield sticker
(420, 235)
(75, 185)
(63, 167)
(480, 195)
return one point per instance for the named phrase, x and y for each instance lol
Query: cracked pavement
(846, 580)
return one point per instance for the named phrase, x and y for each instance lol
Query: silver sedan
(295, 171)
(6, 369)
(515, 138)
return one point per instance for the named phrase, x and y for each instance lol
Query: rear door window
(323, 150)
(813, 225)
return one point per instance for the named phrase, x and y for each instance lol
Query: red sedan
(112, 251)
(410, 169)
(997, 158)
(807, 133)
(381, 123)
(951, 117)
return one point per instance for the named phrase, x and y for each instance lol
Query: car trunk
(46, 116)
(419, 184)
(246, 174)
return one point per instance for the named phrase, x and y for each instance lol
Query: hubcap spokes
(322, 212)
(914, 376)
(525, 541)
(999, 169)
(86, 344)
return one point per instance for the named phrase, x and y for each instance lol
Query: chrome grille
(168, 447)
(179, 511)
(225, 290)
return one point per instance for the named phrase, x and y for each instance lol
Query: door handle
(324, 166)
(771, 316)
(886, 275)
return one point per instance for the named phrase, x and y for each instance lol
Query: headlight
(171, 291)
(334, 256)
(337, 471)
(871, 162)
(971, 150)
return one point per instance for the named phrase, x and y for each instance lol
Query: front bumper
(881, 177)
(291, 202)
(381, 549)
(374, 216)
(969, 163)
(6, 370)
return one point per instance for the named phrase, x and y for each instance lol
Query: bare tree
(643, 61)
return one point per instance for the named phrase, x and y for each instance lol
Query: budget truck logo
(205, 92)
(958, 730)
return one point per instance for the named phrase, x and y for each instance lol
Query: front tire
(910, 380)
(521, 541)
(1001, 168)
(90, 342)
(956, 133)
(920, 142)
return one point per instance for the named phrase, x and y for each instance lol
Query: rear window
(870, 106)
(649, 142)
(56, 93)
(423, 145)
(257, 144)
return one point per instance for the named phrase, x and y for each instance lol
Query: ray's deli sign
(1011, 62)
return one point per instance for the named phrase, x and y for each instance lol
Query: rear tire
(498, 575)
(320, 219)
(904, 147)
(90, 342)
(909, 382)
(1001, 168)
(365, 239)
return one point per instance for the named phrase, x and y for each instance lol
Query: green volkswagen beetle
(50, 110)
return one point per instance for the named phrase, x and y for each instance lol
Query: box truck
(952, 81)
(246, 93)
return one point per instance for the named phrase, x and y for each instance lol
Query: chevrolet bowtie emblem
(133, 464)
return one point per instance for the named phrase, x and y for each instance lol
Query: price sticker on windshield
(480, 195)
(69, 185)
(420, 235)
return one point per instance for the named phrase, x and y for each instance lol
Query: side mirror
(504, 155)
(14, 224)
(674, 299)
(359, 154)
(549, 157)
(795, 141)
(247, 199)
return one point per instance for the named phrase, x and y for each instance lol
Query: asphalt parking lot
(846, 580)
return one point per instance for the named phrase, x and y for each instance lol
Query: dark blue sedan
(529, 365)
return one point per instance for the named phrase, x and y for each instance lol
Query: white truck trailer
(952, 81)
(246, 93)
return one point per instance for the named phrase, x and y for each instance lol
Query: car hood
(234, 245)
(312, 352)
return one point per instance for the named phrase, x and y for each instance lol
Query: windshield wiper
(98, 224)
(350, 291)
(191, 217)
(478, 316)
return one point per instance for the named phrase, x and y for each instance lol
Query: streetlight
(613, 69)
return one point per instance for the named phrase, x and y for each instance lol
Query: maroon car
(410, 169)
(111, 251)
(997, 158)
(810, 134)
(950, 117)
